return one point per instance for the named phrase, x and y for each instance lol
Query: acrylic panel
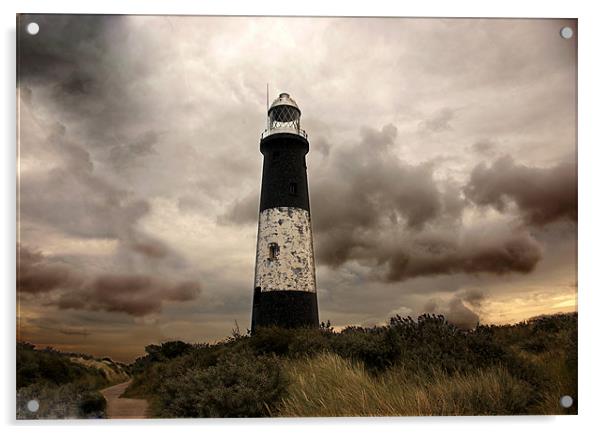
(224, 216)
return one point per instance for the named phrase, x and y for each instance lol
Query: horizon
(216, 341)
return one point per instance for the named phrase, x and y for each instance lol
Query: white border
(590, 215)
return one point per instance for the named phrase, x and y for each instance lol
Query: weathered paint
(293, 267)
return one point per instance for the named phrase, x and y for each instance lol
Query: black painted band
(284, 178)
(288, 309)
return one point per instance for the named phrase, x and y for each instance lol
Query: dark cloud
(497, 253)
(366, 181)
(542, 195)
(36, 274)
(373, 207)
(50, 56)
(134, 294)
(82, 65)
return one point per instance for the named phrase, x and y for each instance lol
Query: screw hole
(33, 405)
(33, 28)
(566, 401)
(566, 32)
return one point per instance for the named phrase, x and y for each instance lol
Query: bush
(91, 403)
(272, 340)
(53, 368)
(309, 342)
(239, 385)
(377, 348)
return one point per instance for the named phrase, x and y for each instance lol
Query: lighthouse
(285, 279)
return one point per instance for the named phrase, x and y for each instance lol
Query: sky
(442, 171)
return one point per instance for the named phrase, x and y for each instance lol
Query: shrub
(272, 340)
(376, 348)
(167, 350)
(308, 342)
(92, 403)
(54, 368)
(239, 385)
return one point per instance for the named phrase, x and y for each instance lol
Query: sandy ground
(113, 372)
(123, 408)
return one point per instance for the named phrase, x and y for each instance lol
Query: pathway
(123, 408)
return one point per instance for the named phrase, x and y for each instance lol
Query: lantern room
(284, 116)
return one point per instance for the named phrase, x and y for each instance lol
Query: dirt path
(123, 408)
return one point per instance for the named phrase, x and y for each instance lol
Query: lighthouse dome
(284, 99)
(284, 116)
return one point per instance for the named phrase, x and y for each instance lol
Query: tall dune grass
(328, 385)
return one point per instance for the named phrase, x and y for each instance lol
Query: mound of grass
(329, 385)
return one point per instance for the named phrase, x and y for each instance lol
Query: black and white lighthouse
(285, 277)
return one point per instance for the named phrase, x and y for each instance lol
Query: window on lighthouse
(292, 189)
(274, 249)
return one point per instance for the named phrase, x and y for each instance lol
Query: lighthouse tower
(285, 278)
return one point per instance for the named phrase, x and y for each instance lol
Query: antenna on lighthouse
(267, 104)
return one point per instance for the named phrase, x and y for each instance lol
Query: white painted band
(285, 254)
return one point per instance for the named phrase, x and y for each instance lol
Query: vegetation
(64, 385)
(408, 367)
(329, 385)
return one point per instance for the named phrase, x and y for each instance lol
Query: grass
(328, 385)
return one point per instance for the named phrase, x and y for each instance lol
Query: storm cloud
(69, 288)
(542, 195)
(35, 274)
(498, 253)
(134, 294)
